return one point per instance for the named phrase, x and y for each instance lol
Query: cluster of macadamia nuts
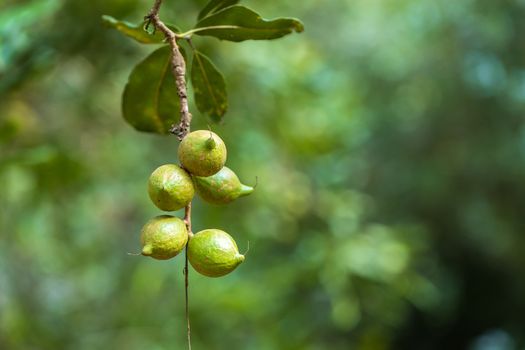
(171, 187)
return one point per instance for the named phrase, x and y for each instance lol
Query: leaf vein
(156, 104)
(207, 81)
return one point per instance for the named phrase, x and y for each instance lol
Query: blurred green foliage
(389, 143)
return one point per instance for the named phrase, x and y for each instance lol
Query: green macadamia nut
(221, 188)
(202, 153)
(170, 187)
(213, 253)
(163, 237)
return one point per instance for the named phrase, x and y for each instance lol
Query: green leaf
(238, 23)
(214, 6)
(150, 102)
(136, 31)
(209, 87)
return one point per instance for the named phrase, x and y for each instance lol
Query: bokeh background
(389, 144)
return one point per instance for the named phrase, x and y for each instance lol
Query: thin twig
(178, 68)
(182, 128)
(186, 285)
(187, 221)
